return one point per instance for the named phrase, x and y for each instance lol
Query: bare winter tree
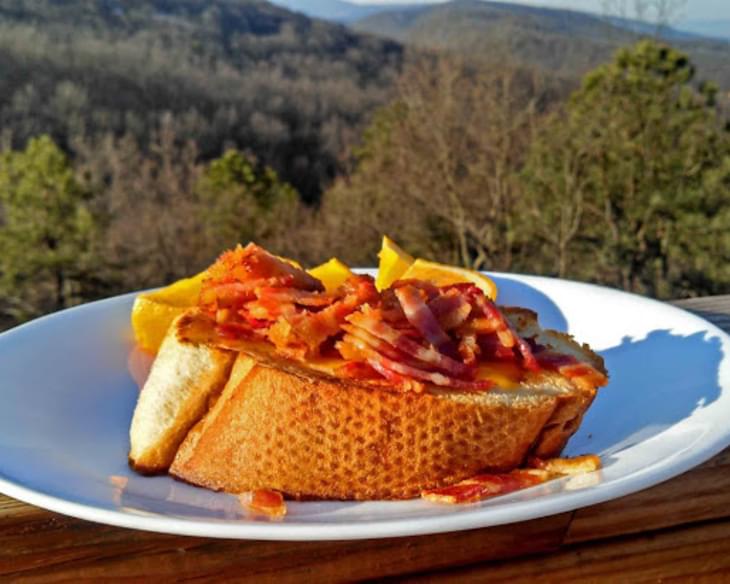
(437, 167)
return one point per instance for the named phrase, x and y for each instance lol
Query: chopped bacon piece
(357, 370)
(254, 323)
(584, 375)
(253, 263)
(390, 308)
(483, 325)
(286, 341)
(265, 501)
(492, 349)
(294, 296)
(550, 360)
(469, 349)
(266, 308)
(399, 368)
(430, 290)
(507, 334)
(578, 370)
(528, 359)
(233, 330)
(371, 321)
(567, 466)
(226, 295)
(423, 320)
(233, 278)
(451, 309)
(310, 329)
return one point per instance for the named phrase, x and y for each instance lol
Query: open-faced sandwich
(333, 385)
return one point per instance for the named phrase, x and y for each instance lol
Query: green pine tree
(630, 186)
(243, 201)
(46, 230)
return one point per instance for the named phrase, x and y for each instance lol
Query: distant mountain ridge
(336, 10)
(564, 41)
(348, 12)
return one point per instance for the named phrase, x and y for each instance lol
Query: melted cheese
(325, 364)
(505, 375)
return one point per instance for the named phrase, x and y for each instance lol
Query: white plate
(67, 401)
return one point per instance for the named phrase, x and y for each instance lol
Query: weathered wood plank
(697, 553)
(74, 548)
(716, 309)
(699, 495)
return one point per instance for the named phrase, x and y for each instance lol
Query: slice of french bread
(282, 425)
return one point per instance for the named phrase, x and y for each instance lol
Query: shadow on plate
(655, 383)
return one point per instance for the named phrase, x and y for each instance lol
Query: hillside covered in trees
(141, 138)
(240, 73)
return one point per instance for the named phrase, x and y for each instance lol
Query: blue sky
(692, 9)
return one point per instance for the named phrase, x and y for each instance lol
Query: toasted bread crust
(313, 436)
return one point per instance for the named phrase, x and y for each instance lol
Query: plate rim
(476, 518)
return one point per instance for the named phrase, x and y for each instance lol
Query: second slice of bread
(175, 396)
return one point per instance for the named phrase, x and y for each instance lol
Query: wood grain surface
(675, 531)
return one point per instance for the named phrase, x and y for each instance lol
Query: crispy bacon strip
(358, 337)
(216, 296)
(492, 349)
(422, 319)
(528, 359)
(266, 501)
(486, 486)
(379, 362)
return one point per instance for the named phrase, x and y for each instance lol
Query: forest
(139, 139)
